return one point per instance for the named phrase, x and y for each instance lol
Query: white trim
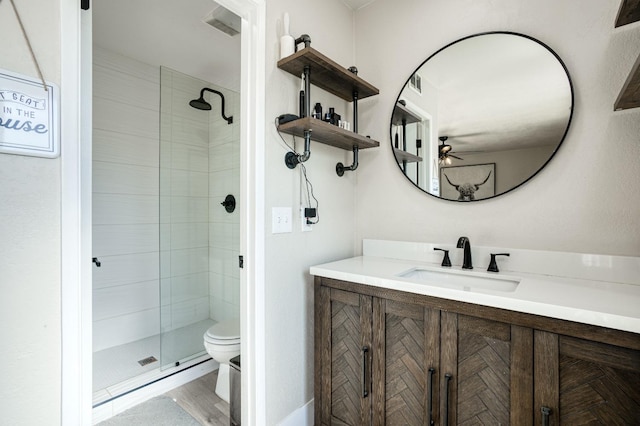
(75, 212)
(252, 177)
(302, 416)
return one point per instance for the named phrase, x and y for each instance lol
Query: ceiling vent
(223, 20)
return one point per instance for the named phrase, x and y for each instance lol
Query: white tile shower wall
(158, 243)
(125, 200)
(224, 228)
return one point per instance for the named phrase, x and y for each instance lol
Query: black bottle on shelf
(330, 116)
(303, 113)
(317, 111)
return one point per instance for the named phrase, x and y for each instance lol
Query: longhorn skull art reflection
(467, 190)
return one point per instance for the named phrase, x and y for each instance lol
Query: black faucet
(463, 243)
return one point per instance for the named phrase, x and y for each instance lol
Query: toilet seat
(224, 333)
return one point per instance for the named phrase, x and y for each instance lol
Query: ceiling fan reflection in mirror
(444, 152)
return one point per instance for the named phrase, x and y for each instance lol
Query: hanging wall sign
(29, 121)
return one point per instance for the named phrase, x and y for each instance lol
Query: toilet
(222, 342)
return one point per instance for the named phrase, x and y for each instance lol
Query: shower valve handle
(229, 203)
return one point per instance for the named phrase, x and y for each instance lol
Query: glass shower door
(199, 161)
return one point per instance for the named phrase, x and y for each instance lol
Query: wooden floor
(199, 399)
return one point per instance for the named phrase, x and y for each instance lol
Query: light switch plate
(281, 220)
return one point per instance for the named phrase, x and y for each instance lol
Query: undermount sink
(461, 280)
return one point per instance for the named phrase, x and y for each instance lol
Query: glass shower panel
(199, 161)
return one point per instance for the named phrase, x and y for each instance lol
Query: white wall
(289, 290)
(30, 239)
(585, 200)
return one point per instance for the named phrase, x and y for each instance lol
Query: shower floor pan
(120, 369)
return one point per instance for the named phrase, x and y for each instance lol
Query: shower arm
(206, 89)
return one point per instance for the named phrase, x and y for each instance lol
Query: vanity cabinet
(385, 357)
(580, 381)
(376, 359)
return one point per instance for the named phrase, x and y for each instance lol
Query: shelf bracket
(404, 144)
(341, 168)
(291, 159)
(304, 38)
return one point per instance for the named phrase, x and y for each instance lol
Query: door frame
(76, 281)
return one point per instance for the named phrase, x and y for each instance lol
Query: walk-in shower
(166, 245)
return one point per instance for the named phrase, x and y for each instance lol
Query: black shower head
(200, 103)
(203, 105)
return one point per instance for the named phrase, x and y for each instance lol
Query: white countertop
(601, 303)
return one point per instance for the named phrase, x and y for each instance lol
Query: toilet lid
(224, 330)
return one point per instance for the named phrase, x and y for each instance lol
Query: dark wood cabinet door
(581, 382)
(343, 363)
(406, 340)
(486, 372)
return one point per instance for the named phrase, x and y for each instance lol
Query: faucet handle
(445, 260)
(493, 266)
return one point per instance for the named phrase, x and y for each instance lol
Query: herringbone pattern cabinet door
(586, 383)
(406, 337)
(592, 393)
(490, 364)
(344, 358)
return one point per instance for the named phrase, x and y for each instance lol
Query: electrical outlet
(281, 218)
(303, 220)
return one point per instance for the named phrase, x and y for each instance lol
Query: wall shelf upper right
(629, 12)
(630, 94)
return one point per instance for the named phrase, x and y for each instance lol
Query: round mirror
(481, 116)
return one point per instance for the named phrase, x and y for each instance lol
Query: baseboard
(303, 416)
(124, 402)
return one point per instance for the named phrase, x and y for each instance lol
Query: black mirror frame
(564, 136)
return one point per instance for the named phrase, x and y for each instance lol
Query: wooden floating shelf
(327, 74)
(629, 12)
(630, 94)
(400, 112)
(327, 134)
(404, 156)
